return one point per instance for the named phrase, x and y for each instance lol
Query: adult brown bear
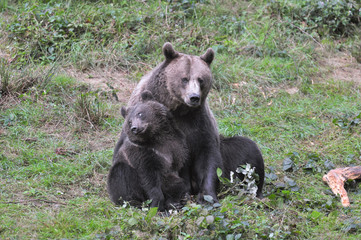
(182, 83)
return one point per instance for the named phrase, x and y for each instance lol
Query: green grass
(57, 133)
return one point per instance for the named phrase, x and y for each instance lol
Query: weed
(3, 5)
(17, 82)
(345, 123)
(4, 78)
(89, 108)
(240, 188)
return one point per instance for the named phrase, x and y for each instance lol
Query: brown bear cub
(147, 164)
(237, 151)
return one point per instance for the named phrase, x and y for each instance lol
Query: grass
(57, 132)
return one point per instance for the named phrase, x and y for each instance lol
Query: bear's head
(147, 120)
(188, 77)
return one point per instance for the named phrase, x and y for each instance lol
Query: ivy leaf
(271, 176)
(151, 213)
(208, 198)
(293, 185)
(280, 185)
(216, 205)
(219, 172)
(329, 165)
(310, 166)
(289, 181)
(288, 165)
(210, 219)
(132, 221)
(315, 215)
(199, 221)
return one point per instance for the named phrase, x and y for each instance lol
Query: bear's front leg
(175, 190)
(124, 185)
(116, 154)
(205, 172)
(157, 197)
(151, 182)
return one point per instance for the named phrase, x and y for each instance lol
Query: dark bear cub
(153, 152)
(237, 151)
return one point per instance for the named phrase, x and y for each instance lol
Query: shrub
(334, 17)
(46, 32)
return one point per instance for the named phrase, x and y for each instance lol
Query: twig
(307, 35)
(166, 16)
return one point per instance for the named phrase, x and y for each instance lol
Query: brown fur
(147, 163)
(237, 151)
(181, 83)
(174, 83)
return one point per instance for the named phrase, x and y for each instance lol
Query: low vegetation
(285, 75)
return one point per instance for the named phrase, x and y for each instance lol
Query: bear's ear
(169, 51)
(123, 111)
(146, 96)
(208, 56)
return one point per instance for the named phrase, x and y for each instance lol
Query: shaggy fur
(182, 83)
(146, 165)
(237, 151)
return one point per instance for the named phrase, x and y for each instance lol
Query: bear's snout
(194, 98)
(136, 129)
(193, 93)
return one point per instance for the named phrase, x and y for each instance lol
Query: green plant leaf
(219, 172)
(288, 165)
(151, 213)
(132, 221)
(208, 198)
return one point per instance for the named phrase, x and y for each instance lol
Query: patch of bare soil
(106, 80)
(341, 66)
(99, 140)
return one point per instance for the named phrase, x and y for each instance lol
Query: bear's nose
(194, 98)
(134, 129)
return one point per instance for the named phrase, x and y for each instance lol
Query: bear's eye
(200, 80)
(184, 80)
(140, 114)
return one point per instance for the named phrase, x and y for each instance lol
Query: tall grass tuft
(89, 108)
(4, 78)
(3, 5)
(15, 82)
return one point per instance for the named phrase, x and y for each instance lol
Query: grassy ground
(283, 77)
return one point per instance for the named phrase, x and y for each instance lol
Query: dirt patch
(107, 80)
(103, 140)
(341, 66)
